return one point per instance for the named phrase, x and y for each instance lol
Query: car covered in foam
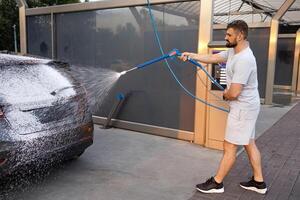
(43, 112)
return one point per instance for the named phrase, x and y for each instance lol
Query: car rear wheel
(76, 156)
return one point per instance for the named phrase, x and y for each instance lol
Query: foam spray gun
(176, 53)
(171, 54)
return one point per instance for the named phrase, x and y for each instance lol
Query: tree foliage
(9, 16)
(40, 3)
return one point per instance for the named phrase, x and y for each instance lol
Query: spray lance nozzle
(173, 53)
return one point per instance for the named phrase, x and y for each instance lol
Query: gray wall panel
(75, 35)
(117, 40)
(39, 35)
(284, 61)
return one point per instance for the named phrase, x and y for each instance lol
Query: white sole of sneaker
(211, 191)
(260, 191)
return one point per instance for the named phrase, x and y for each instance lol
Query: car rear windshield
(30, 82)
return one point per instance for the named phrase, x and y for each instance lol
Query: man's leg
(215, 184)
(257, 183)
(229, 156)
(255, 160)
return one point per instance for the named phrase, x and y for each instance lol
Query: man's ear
(240, 36)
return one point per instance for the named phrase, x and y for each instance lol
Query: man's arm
(209, 58)
(233, 92)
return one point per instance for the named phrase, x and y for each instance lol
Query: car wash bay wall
(118, 39)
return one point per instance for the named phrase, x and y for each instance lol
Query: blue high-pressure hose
(191, 60)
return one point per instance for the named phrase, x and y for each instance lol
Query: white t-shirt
(241, 68)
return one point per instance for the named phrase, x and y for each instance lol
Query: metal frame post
(273, 49)
(106, 4)
(22, 18)
(296, 66)
(204, 37)
(53, 38)
(15, 39)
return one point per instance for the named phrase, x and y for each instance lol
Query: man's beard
(231, 45)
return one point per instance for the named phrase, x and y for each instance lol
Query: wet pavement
(280, 149)
(127, 165)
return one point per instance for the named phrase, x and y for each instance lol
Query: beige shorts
(241, 126)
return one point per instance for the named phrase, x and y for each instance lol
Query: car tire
(76, 156)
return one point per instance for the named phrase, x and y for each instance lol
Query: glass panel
(118, 39)
(284, 61)
(39, 35)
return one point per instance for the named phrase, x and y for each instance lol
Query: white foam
(32, 84)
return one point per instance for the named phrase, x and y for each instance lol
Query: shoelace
(208, 181)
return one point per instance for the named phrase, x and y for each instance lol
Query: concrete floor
(126, 165)
(269, 115)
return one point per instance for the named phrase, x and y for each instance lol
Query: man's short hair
(239, 25)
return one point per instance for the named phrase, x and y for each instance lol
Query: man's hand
(233, 92)
(185, 55)
(224, 94)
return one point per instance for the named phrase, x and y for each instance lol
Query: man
(244, 101)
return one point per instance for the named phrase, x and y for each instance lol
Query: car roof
(9, 60)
